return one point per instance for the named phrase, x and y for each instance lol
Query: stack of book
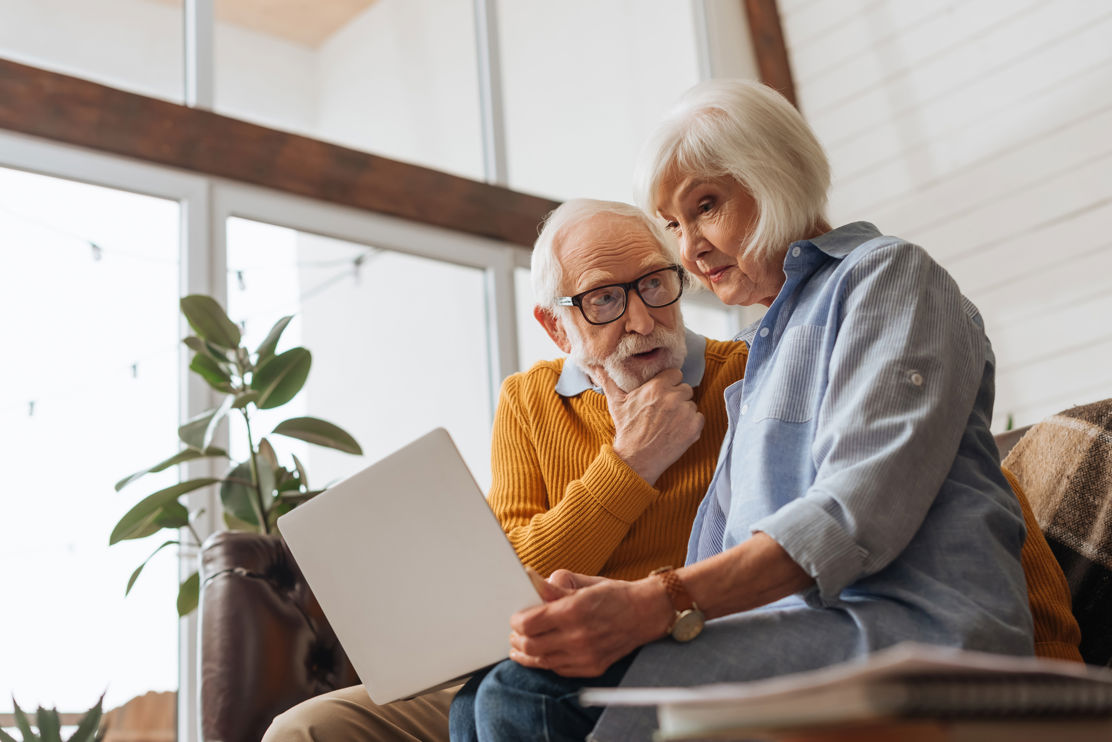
(910, 692)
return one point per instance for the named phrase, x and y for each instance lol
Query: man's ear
(553, 326)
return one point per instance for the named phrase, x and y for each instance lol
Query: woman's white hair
(547, 274)
(749, 131)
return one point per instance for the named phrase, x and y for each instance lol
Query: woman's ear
(553, 326)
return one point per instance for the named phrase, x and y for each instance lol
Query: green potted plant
(48, 725)
(256, 490)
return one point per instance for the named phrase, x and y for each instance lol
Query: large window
(88, 292)
(398, 341)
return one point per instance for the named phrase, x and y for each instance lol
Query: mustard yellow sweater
(564, 497)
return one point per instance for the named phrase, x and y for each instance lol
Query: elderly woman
(858, 499)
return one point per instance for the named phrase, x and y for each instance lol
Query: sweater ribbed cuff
(616, 487)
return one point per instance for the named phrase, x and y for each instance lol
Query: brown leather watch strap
(673, 585)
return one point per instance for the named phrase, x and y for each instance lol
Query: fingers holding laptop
(585, 632)
(654, 423)
(572, 580)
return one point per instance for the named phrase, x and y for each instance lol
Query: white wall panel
(980, 129)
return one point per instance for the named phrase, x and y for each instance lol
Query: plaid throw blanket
(1065, 466)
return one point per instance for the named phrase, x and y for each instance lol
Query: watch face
(688, 625)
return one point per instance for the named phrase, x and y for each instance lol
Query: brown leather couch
(265, 644)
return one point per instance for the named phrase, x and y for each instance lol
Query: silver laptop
(412, 569)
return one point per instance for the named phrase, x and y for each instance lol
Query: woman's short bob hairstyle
(748, 131)
(547, 274)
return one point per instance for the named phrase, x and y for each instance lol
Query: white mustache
(633, 344)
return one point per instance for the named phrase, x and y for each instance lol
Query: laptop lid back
(411, 568)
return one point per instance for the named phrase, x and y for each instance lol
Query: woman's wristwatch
(688, 621)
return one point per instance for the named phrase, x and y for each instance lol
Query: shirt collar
(840, 242)
(574, 381)
(837, 244)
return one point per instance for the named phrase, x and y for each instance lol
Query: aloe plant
(254, 492)
(49, 725)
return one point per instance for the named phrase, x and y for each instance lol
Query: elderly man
(578, 484)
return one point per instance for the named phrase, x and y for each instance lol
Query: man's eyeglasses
(608, 303)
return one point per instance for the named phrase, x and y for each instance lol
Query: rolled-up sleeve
(902, 376)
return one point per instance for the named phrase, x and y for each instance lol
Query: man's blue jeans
(512, 703)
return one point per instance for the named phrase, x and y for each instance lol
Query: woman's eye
(672, 226)
(705, 206)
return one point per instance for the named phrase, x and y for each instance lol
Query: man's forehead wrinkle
(600, 251)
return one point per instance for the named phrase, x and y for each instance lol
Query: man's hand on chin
(654, 423)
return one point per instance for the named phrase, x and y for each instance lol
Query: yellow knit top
(566, 500)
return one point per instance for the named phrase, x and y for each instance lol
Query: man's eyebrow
(592, 280)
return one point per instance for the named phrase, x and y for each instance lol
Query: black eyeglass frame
(577, 300)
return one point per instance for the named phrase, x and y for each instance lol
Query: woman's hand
(594, 624)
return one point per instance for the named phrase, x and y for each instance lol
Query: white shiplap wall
(982, 130)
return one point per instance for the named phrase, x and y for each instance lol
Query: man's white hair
(750, 132)
(548, 274)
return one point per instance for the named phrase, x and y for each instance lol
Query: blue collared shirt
(859, 440)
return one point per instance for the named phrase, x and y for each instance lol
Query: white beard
(627, 376)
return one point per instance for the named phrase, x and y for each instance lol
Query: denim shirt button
(764, 332)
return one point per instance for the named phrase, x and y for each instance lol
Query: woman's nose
(692, 244)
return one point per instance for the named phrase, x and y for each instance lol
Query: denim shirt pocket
(791, 392)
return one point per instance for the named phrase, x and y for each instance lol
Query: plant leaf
(281, 378)
(172, 515)
(188, 594)
(215, 352)
(192, 431)
(5, 737)
(237, 494)
(301, 473)
(135, 574)
(266, 481)
(280, 508)
(287, 480)
(90, 723)
(21, 722)
(267, 452)
(266, 348)
(217, 417)
(235, 524)
(180, 457)
(209, 321)
(216, 375)
(50, 725)
(320, 432)
(245, 398)
(137, 521)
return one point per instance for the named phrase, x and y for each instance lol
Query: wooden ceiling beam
(86, 114)
(767, 37)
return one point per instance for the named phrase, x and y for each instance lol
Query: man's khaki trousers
(349, 715)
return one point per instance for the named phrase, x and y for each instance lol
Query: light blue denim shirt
(859, 440)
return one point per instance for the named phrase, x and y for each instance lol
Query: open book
(906, 681)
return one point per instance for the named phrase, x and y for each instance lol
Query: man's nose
(638, 318)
